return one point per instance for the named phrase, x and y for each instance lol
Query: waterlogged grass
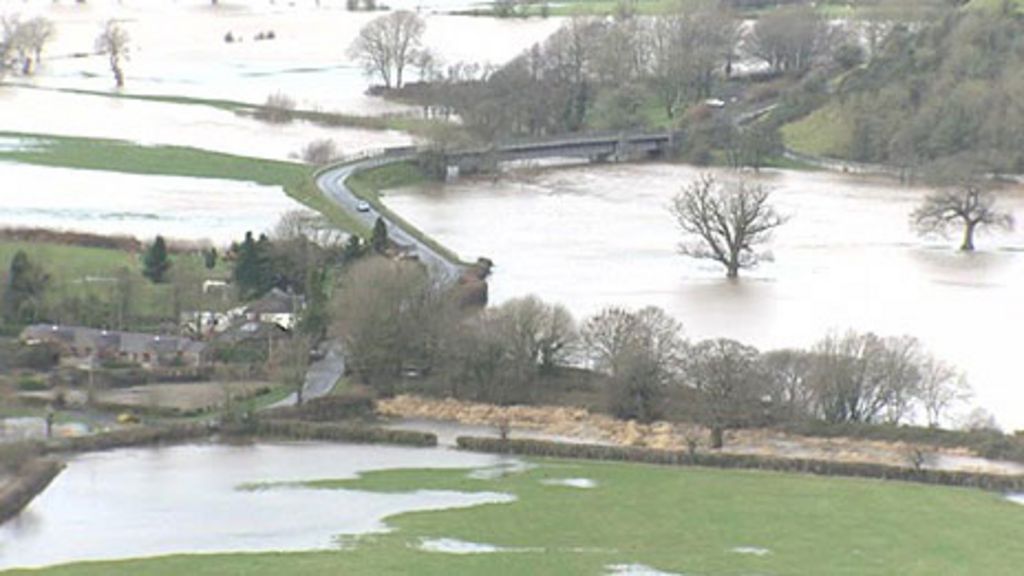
(413, 125)
(121, 156)
(679, 520)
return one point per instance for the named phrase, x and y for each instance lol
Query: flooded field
(179, 47)
(182, 208)
(595, 236)
(147, 502)
(48, 112)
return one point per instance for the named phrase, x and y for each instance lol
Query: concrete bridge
(591, 147)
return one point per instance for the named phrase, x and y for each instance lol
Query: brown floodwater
(590, 237)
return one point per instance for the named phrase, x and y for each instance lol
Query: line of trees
(22, 43)
(396, 323)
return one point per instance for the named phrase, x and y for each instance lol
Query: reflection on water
(146, 502)
(594, 236)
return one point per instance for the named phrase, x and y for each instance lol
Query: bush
(278, 109)
(29, 383)
(319, 152)
(349, 405)
(343, 433)
(42, 357)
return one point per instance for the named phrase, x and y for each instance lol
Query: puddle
(751, 550)
(637, 570)
(570, 482)
(453, 546)
(1016, 498)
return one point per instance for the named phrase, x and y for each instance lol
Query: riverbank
(24, 484)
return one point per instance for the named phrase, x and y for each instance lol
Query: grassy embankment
(369, 184)
(821, 133)
(120, 156)
(688, 521)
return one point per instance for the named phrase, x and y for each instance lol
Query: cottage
(78, 343)
(275, 307)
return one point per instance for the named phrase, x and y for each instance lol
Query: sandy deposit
(578, 423)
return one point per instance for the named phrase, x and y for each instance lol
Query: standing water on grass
(187, 499)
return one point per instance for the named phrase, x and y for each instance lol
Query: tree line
(400, 328)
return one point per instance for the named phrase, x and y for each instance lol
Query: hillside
(947, 92)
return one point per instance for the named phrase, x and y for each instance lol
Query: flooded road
(152, 501)
(589, 237)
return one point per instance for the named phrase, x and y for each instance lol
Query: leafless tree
(941, 388)
(969, 206)
(640, 351)
(115, 42)
(727, 221)
(865, 378)
(319, 152)
(727, 374)
(540, 335)
(786, 375)
(789, 38)
(390, 315)
(387, 45)
(36, 34)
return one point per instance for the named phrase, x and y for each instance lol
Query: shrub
(278, 109)
(29, 383)
(42, 357)
(319, 151)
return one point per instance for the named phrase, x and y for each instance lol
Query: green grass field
(686, 521)
(69, 267)
(820, 133)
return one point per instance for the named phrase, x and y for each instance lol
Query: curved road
(332, 183)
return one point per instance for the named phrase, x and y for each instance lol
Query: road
(320, 378)
(332, 183)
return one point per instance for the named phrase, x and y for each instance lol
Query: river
(152, 501)
(594, 236)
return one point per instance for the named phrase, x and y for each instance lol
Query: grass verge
(690, 521)
(368, 185)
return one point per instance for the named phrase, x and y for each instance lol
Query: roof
(275, 302)
(101, 340)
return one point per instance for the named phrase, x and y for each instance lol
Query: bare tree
(941, 388)
(640, 351)
(387, 45)
(727, 374)
(969, 206)
(786, 383)
(36, 34)
(789, 38)
(865, 378)
(727, 221)
(116, 44)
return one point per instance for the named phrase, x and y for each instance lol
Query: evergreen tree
(379, 239)
(23, 296)
(210, 258)
(253, 272)
(155, 263)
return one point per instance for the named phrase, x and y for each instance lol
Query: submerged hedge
(522, 447)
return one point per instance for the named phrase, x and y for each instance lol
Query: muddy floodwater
(220, 211)
(179, 47)
(146, 502)
(594, 236)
